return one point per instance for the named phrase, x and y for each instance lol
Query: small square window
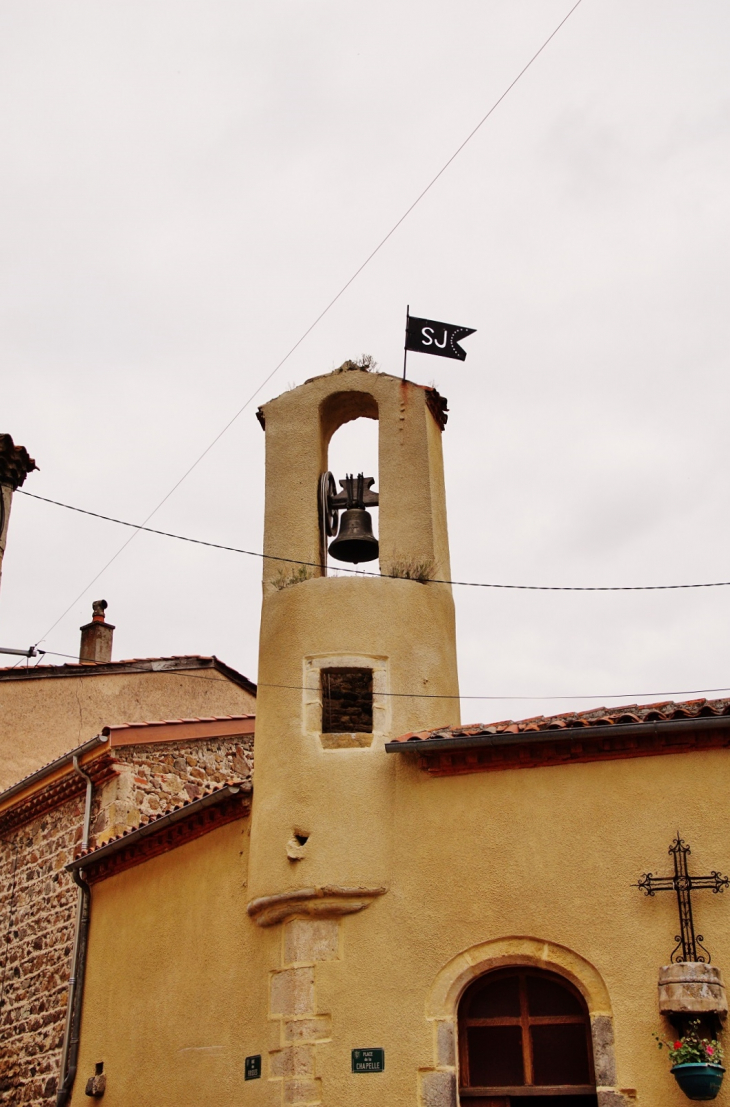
(347, 701)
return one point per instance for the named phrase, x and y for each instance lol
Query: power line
(433, 696)
(321, 315)
(388, 576)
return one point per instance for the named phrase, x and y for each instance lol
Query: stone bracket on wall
(692, 988)
(327, 901)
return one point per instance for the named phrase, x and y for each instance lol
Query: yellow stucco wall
(173, 995)
(471, 864)
(41, 719)
(444, 877)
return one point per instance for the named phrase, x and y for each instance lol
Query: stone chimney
(96, 637)
(15, 464)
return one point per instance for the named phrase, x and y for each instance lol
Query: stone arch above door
(438, 1085)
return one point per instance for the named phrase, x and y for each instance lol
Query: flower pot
(699, 1081)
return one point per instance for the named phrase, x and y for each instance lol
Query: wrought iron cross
(684, 884)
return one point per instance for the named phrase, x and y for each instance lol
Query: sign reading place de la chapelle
(368, 1060)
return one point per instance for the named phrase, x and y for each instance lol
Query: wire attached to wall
(322, 314)
(626, 696)
(390, 576)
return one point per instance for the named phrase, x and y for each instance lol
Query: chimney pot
(96, 637)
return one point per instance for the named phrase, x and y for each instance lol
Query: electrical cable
(432, 696)
(387, 576)
(322, 314)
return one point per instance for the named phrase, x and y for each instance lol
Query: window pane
(496, 998)
(495, 1056)
(546, 996)
(560, 1054)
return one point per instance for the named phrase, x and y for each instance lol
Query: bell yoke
(355, 541)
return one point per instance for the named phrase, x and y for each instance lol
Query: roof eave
(627, 730)
(157, 825)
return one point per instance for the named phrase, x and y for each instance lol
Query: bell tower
(346, 662)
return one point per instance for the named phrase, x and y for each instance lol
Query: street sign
(252, 1068)
(368, 1060)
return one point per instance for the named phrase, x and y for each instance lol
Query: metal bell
(355, 541)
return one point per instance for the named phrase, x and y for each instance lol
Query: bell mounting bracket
(356, 492)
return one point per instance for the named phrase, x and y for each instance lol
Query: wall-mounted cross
(684, 884)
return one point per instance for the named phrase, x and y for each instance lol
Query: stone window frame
(312, 699)
(438, 1083)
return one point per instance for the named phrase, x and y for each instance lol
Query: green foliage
(692, 1049)
(412, 569)
(285, 578)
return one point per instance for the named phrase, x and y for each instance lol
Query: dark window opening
(524, 1041)
(347, 701)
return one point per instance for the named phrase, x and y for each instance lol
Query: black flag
(429, 337)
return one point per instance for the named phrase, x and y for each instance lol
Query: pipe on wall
(70, 1051)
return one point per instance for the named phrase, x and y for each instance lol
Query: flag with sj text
(427, 336)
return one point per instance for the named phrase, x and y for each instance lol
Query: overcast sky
(186, 185)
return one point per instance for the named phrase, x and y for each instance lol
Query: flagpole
(405, 344)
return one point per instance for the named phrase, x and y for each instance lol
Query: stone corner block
(315, 1029)
(604, 1057)
(302, 1091)
(292, 992)
(609, 1097)
(438, 1089)
(311, 940)
(292, 1061)
(445, 1044)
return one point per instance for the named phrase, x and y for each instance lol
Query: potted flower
(696, 1063)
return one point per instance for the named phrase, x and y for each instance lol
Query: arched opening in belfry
(350, 439)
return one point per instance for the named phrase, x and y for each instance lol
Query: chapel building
(404, 910)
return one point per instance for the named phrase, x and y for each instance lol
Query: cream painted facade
(54, 709)
(366, 894)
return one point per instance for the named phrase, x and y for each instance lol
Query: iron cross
(684, 884)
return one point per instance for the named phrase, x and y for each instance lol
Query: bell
(355, 541)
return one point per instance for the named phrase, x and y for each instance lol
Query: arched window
(525, 1041)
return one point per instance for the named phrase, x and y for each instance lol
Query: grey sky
(186, 185)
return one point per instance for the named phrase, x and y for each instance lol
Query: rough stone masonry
(38, 896)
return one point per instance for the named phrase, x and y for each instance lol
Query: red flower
(677, 1045)
(709, 1051)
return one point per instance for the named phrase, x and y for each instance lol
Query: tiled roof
(211, 790)
(183, 823)
(598, 716)
(62, 762)
(132, 734)
(132, 664)
(177, 730)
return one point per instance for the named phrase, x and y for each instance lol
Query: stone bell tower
(346, 662)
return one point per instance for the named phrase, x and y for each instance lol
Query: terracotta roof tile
(179, 722)
(568, 720)
(244, 785)
(168, 664)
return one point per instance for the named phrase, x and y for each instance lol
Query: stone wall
(38, 897)
(37, 909)
(155, 778)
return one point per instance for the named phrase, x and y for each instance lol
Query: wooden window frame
(525, 1020)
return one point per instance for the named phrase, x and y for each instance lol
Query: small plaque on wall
(252, 1069)
(368, 1060)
